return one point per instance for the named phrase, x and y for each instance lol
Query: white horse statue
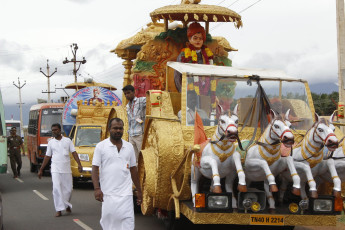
(310, 160)
(264, 162)
(338, 156)
(339, 161)
(220, 159)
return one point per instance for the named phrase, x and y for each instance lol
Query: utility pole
(340, 16)
(48, 76)
(74, 48)
(20, 103)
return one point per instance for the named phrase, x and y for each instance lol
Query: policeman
(14, 143)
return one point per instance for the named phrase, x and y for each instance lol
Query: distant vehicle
(13, 123)
(3, 139)
(41, 118)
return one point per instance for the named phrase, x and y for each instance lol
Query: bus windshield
(49, 117)
(88, 135)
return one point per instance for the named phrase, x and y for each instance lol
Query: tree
(325, 104)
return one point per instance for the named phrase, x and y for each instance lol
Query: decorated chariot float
(243, 141)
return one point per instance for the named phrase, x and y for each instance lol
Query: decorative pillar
(127, 77)
(128, 55)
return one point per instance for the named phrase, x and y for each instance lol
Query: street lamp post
(74, 48)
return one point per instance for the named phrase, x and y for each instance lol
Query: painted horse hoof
(313, 194)
(242, 188)
(296, 191)
(272, 210)
(337, 194)
(273, 188)
(217, 189)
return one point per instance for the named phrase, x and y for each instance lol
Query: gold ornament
(222, 156)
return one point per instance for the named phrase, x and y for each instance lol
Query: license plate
(266, 219)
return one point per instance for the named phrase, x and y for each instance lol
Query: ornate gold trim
(222, 156)
(215, 175)
(270, 160)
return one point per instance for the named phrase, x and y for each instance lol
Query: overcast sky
(296, 36)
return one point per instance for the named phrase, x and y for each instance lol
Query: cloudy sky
(296, 36)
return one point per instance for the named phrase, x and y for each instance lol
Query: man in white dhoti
(113, 170)
(58, 150)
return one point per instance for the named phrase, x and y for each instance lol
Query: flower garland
(189, 54)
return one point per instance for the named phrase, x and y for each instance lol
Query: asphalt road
(28, 205)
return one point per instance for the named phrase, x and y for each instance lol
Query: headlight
(322, 205)
(222, 201)
(83, 157)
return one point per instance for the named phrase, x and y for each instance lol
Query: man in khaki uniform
(14, 143)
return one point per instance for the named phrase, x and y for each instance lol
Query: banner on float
(91, 94)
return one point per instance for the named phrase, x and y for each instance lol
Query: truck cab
(90, 129)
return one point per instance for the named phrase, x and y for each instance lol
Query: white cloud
(296, 36)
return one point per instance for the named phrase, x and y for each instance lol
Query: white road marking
(20, 180)
(81, 224)
(8, 171)
(40, 195)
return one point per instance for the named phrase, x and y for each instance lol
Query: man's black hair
(115, 119)
(128, 87)
(13, 128)
(56, 125)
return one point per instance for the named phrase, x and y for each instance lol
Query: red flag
(200, 138)
(199, 132)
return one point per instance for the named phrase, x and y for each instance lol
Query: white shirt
(135, 112)
(59, 151)
(115, 176)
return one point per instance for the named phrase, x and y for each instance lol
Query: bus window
(49, 117)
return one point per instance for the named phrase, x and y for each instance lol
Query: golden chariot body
(165, 160)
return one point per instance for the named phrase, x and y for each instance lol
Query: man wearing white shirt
(113, 170)
(58, 150)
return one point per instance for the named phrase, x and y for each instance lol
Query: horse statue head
(228, 125)
(323, 133)
(279, 129)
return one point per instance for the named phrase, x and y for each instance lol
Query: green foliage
(142, 66)
(325, 104)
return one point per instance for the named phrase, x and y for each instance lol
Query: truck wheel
(171, 223)
(75, 182)
(32, 167)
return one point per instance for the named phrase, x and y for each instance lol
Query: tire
(171, 223)
(33, 167)
(137, 208)
(75, 182)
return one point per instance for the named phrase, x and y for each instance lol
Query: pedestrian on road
(58, 150)
(113, 170)
(14, 143)
(136, 109)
